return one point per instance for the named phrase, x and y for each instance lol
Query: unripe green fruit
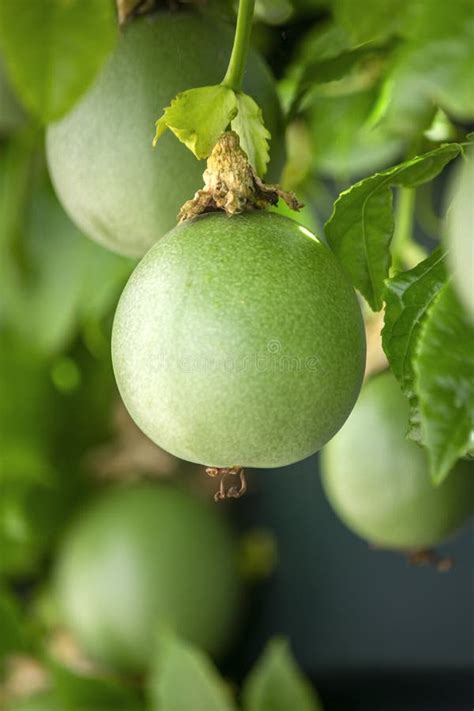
(239, 341)
(114, 185)
(145, 558)
(378, 481)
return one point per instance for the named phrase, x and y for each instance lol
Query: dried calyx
(232, 185)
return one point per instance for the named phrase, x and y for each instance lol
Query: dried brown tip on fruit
(231, 184)
(431, 558)
(232, 491)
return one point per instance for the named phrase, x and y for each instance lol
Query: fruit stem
(235, 71)
(406, 252)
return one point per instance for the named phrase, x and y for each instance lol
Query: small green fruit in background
(109, 179)
(141, 559)
(239, 341)
(378, 481)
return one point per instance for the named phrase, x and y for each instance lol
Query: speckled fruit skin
(145, 557)
(378, 481)
(114, 185)
(238, 341)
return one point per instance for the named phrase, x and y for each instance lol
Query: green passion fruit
(117, 189)
(379, 483)
(144, 558)
(238, 341)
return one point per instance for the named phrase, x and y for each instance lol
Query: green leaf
(53, 49)
(87, 693)
(444, 383)
(198, 117)
(254, 137)
(408, 296)
(434, 67)
(328, 69)
(276, 683)
(184, 678)
(375, 19)
(460, 237)
(361, 226)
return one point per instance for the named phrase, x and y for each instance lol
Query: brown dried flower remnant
(231, 184)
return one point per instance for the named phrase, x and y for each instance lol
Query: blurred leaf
(27, 399)
(373, 19)
(16, 158)
(11, 114)
(11, 637)
(434, 67)
(182, 677)
(408, 296)
(361, 226)
(254, 137)
(460, 235)
(276, 683)
(62, 278)
(444, 383)
(54, 49)
(87, 693)
(326, 70)
(343, 144)
(45, 701)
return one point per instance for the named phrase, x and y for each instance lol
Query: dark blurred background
(372, 630)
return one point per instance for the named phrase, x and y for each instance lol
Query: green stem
(406, 252)
(235, 71)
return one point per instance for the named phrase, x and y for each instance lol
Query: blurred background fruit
(380, 484)
(119, 191)
(144, 559)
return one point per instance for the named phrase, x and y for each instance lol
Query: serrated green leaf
(54, 49)
(183, 677)
(254, 137)
(277, 684)
(444, 383)
(198, 117)
(87, 693)
(408, 296)
(361, 226)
